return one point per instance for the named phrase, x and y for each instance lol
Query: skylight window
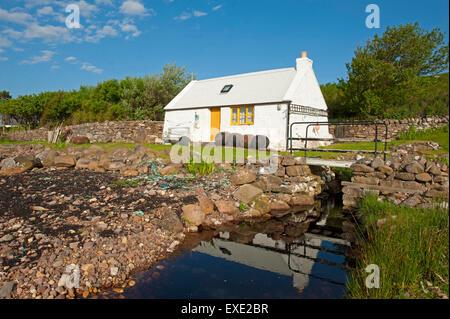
(226, 88)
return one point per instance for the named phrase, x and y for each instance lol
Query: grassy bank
(411, 250)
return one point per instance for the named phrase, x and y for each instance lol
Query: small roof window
(226, 88)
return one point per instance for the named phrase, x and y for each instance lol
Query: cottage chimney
(303, 61)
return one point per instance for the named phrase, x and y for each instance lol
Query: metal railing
(376, 140)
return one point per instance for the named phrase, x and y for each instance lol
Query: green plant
(202, 168)
(411, 247)
(242, 206)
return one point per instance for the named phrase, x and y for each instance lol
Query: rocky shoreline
(95, 216)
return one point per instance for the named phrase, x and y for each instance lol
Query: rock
(436, 171)
(281, 171)
(366, 180)
(413, 185)
(412, 201)
(242, 176)
(226, 207)
(193, 214)
(6, 238)
(46, 157)
(385, 169)
(414, 167)
(6, 290)
(247, 193)
(206, 204)
(423, 177)
(80, 140)
(262, 204)
(141, 135)
(8, 163)
(279, 205)
(169, 220)
(113, 271)
(64, 161)
(169, 169)
(303, 200)
(113, 165)
(298, 170)
(361, 168)
(377, 162)
(25, 161)
(288, 160)
(405, 176)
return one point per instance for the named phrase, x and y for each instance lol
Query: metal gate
(376, 140)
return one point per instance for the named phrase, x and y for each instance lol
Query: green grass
(411, 250)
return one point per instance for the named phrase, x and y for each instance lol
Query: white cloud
(70, 59)
(15, 17)
(4, 42)
(91, 68)
(183, 16)
(55, 67)
(199, 13)
(133, 7)
(48, 33)
(130, 28)
(3, 58)
(99, 34)
(104, 2)
(217, 7)
(46, 56)
(1, 50)
(45, 11)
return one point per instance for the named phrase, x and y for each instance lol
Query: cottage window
(243, 115)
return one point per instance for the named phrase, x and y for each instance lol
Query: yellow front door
(215, 122)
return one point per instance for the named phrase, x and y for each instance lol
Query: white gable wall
(305, 91)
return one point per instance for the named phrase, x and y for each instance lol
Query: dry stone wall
(406, 178)
(394, 127)
(104, 132)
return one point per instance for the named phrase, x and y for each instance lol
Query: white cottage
(259, 103)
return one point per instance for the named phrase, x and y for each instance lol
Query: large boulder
(80, 140)
(226, 207)
(243, 176)
(168, 220)
(247, 193)
(25, 161)
(64, 161)
(206, 204)
(8, 163)
(169, 169)
(193, 215)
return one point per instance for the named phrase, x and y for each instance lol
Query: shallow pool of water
(279, 258)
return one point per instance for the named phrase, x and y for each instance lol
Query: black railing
(333, 139)
(307, 110)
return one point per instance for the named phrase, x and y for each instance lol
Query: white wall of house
(268, 121)
(198, 132)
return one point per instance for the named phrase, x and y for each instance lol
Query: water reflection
(290, 257)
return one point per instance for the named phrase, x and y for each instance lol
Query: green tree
(388, 70)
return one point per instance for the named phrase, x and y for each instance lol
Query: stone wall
(394, 127)
(129, 132)
(406, 178)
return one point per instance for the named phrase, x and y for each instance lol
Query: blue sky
(213, 38)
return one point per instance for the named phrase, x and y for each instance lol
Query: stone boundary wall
(394, 127)
(144, 131)
(405, 179)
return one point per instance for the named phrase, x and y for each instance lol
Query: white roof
(249, 88)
